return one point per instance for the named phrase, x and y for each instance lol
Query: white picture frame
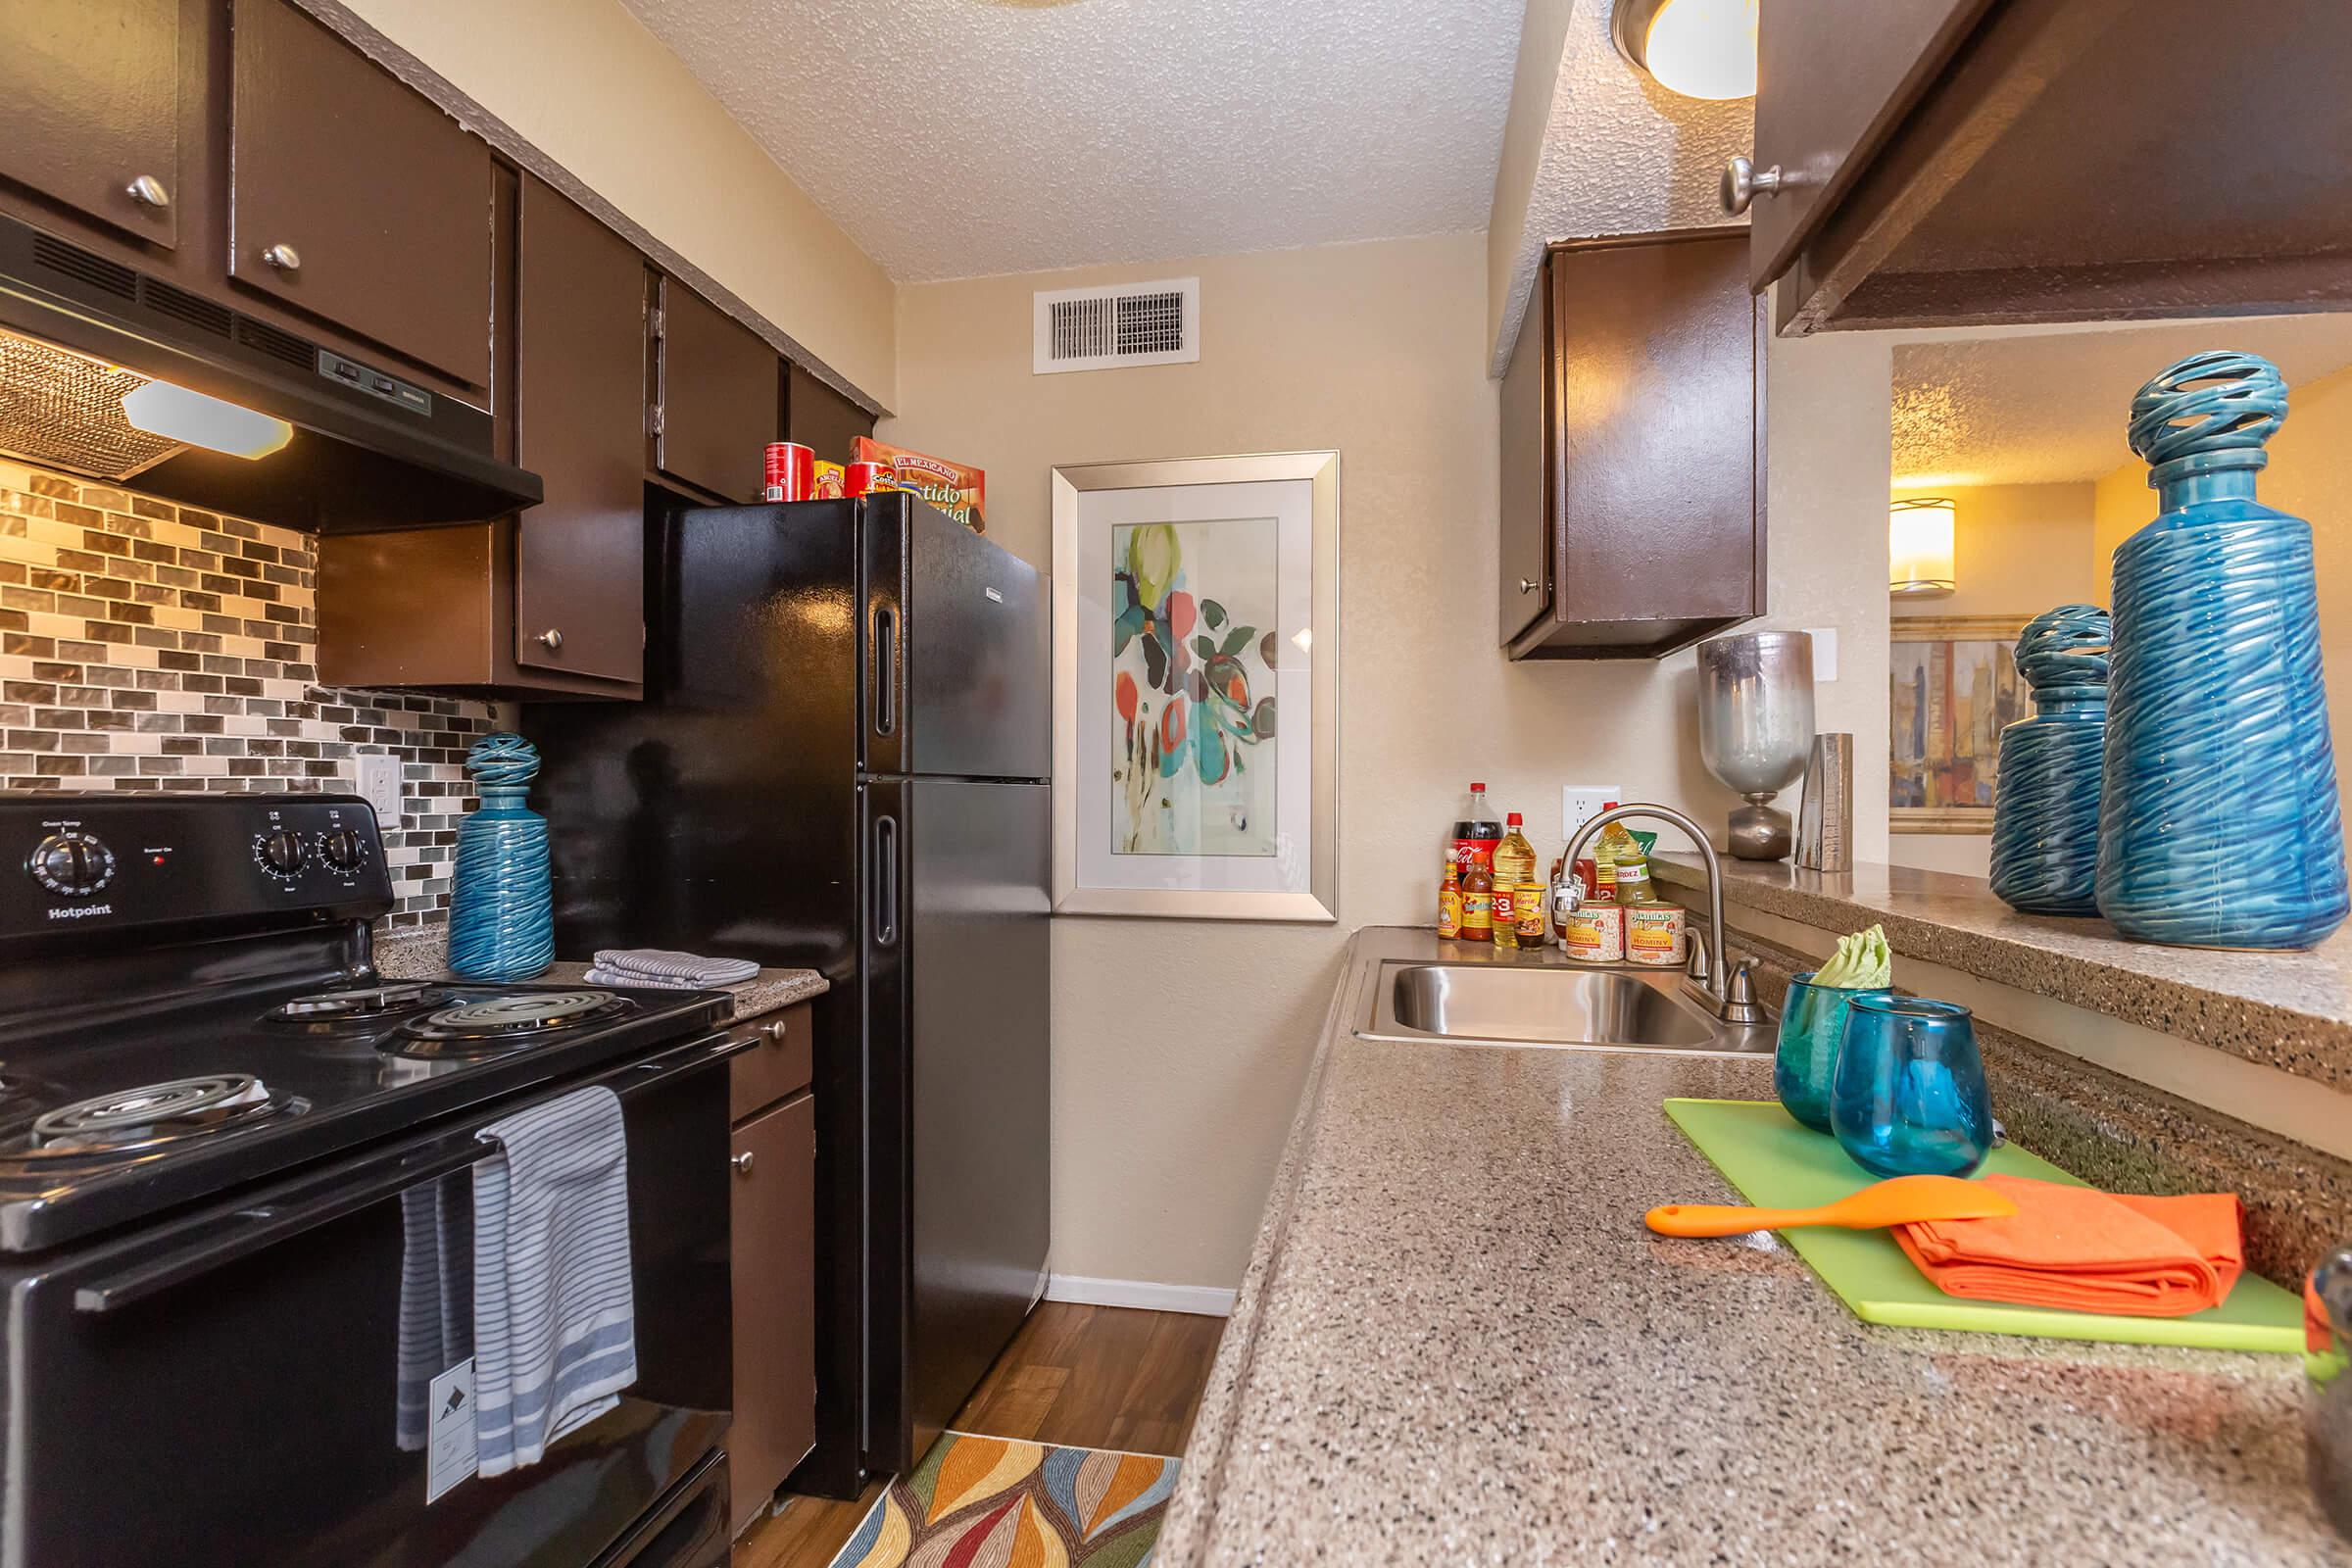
(1173, 798)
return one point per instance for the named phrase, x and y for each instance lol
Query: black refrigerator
(839, 764)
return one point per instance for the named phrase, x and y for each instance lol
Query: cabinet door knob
(1743, 182)
(284, 258)
(1527, 585)
(550, 639)
(148, 191)
(775, 1033)
(741, 1164)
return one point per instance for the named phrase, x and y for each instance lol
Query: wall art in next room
(1195, 608)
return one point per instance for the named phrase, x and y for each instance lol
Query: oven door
(229, 1389)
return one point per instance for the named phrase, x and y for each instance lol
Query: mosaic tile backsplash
(148, 646)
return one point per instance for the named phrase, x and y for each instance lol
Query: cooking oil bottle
(1515, 885)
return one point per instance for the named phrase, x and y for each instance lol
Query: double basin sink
(1544, 1001)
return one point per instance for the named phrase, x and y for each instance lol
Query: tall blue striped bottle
(502, 924)
(2045, 819)
(2219, 823)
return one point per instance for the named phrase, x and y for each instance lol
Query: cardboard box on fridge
(832, 482)
(956, 488)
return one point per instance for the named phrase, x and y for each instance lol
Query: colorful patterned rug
(991, 1503)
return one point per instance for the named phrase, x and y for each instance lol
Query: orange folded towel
(2087, 1250)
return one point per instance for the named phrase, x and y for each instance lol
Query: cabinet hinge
(654, 418)
(658, 321)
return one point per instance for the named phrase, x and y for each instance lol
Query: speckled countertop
(2292, 1010)
(424, 955)
(1455, 1342)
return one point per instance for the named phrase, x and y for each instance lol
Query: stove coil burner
(359, 1003)
(134, 1119)
(500, 1023)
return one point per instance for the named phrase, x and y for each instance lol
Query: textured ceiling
(1621, 156)
(957, 138)
(2048, 406)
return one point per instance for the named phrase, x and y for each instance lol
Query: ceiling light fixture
(1918, 549)
(1698, 48)
(161, 408)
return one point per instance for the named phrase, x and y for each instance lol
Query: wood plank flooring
(1090, 1377)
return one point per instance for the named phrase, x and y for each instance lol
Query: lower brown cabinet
(773, 1256)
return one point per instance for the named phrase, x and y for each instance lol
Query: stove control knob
(342, 849)
(71, 864)
(281, 852)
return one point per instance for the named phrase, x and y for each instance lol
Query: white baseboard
(1203, 1300)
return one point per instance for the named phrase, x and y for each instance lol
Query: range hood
(362, 446)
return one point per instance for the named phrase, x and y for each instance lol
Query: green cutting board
(1776, 1164)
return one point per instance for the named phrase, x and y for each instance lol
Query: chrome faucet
(1732, 991)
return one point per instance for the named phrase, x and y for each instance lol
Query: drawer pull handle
(741, 1164)
(1743, 182)
(775, 1034)
(550, 639)
(284, 258)
(149, 191)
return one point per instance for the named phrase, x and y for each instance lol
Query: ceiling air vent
(1132, 323)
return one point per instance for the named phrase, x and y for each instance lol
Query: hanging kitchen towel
(555, 1319)
(2087, 1250)
(436, 1301)
(660, 966)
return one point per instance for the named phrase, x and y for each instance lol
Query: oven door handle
(265, 1224)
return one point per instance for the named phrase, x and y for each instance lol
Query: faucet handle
(1739, 1003)
(1697, 969)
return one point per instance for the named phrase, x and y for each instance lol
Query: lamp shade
(1918, 549)
(1698, 48)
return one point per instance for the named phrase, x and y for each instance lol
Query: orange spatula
(1895, 1201)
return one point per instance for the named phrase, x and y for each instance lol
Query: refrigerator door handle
(886, 881)
(886, 670)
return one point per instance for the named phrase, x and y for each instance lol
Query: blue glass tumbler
(1908, 1095)
(1812, 1026)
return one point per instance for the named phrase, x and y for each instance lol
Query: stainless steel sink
(1549, 1003)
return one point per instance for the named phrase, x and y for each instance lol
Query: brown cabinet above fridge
(1633, 450)
(1923, 163)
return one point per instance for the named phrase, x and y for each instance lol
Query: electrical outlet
(379, 786)
(1581, 803)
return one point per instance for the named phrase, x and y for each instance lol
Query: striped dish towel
(553, 1314)
(653, 966)
(436, 1310)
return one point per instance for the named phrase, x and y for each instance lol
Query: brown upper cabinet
(93, 90)
(579, 423)
(353, 198)
(1633, 450)
(717, 386)
(820, 417)
(1938, 161)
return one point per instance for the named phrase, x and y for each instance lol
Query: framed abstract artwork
(1195, 688)
(1953, 687)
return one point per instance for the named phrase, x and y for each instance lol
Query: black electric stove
(220, 1126)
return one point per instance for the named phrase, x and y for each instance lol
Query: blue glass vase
(2219, 825)
(502, 924)
(1812, 1027)
(1908, 1098)
(2045, 820)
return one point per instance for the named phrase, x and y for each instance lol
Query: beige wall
(2017, 549)
(585, 82)
(1167, 1116)
(2310, 476)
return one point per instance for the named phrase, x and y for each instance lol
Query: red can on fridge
(789, 472)
(863, 478)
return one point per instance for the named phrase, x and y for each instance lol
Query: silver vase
(1755, 727)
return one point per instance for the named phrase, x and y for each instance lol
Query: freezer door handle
(886, 881)
(886, 670)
